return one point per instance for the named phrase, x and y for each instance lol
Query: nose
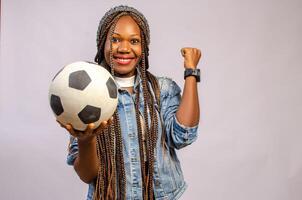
(124, 47)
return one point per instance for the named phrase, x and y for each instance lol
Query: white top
(125, 82)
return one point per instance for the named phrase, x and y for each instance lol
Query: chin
(124, 73)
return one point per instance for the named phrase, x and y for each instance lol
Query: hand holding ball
(83, 93)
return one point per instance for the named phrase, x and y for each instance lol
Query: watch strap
(192, 72)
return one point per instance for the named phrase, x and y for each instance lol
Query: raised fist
(191, 57)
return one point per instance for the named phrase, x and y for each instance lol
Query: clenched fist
(191, 57)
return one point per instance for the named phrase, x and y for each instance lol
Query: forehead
(126, 24)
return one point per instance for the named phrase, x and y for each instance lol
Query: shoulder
(167, 86)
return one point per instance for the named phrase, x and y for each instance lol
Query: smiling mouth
(123, 61)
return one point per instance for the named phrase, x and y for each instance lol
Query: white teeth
(123, 59)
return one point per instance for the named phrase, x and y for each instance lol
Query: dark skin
(127, 51)
(188, 111)
(126, 47)
(86, 165)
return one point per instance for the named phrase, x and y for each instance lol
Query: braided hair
(111, 179)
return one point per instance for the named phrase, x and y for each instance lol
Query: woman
(132, 155)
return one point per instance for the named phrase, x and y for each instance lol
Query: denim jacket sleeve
(177, 135)
(72, 150)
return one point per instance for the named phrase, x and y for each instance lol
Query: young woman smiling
(132, 155)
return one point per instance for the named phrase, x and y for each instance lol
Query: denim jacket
(168, 177)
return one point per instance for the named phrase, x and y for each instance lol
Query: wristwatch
(192, 72)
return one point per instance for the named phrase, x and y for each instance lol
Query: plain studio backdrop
(250, 135)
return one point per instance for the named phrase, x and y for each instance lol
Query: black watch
(192, 72)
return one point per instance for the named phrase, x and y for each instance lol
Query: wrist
(190, 66)
(83, 141)
(189, 72)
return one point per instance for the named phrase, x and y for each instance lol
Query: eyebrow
(130, 35)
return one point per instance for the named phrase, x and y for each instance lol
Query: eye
(115, 39)
(135, 41)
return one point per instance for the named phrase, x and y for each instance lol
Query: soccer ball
(83, 93)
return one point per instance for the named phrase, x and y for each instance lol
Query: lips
(123, 60)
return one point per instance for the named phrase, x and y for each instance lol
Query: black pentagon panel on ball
(79, 80)
(112, 89)
(90, 114)
(56, 105)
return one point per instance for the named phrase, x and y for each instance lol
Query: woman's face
(126, 47)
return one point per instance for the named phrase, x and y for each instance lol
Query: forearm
(86, 163)
(188, 111)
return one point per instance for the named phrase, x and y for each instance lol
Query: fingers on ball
(104, 124)
(110, 121)
(89, 128)
(71, 130)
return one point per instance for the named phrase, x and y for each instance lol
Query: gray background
(249, 144)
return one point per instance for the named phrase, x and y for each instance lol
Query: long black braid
(111, 180)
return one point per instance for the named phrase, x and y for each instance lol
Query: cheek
(107, 52)
(138, 51)
(107, 48)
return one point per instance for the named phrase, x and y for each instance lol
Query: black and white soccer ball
(83, 93)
